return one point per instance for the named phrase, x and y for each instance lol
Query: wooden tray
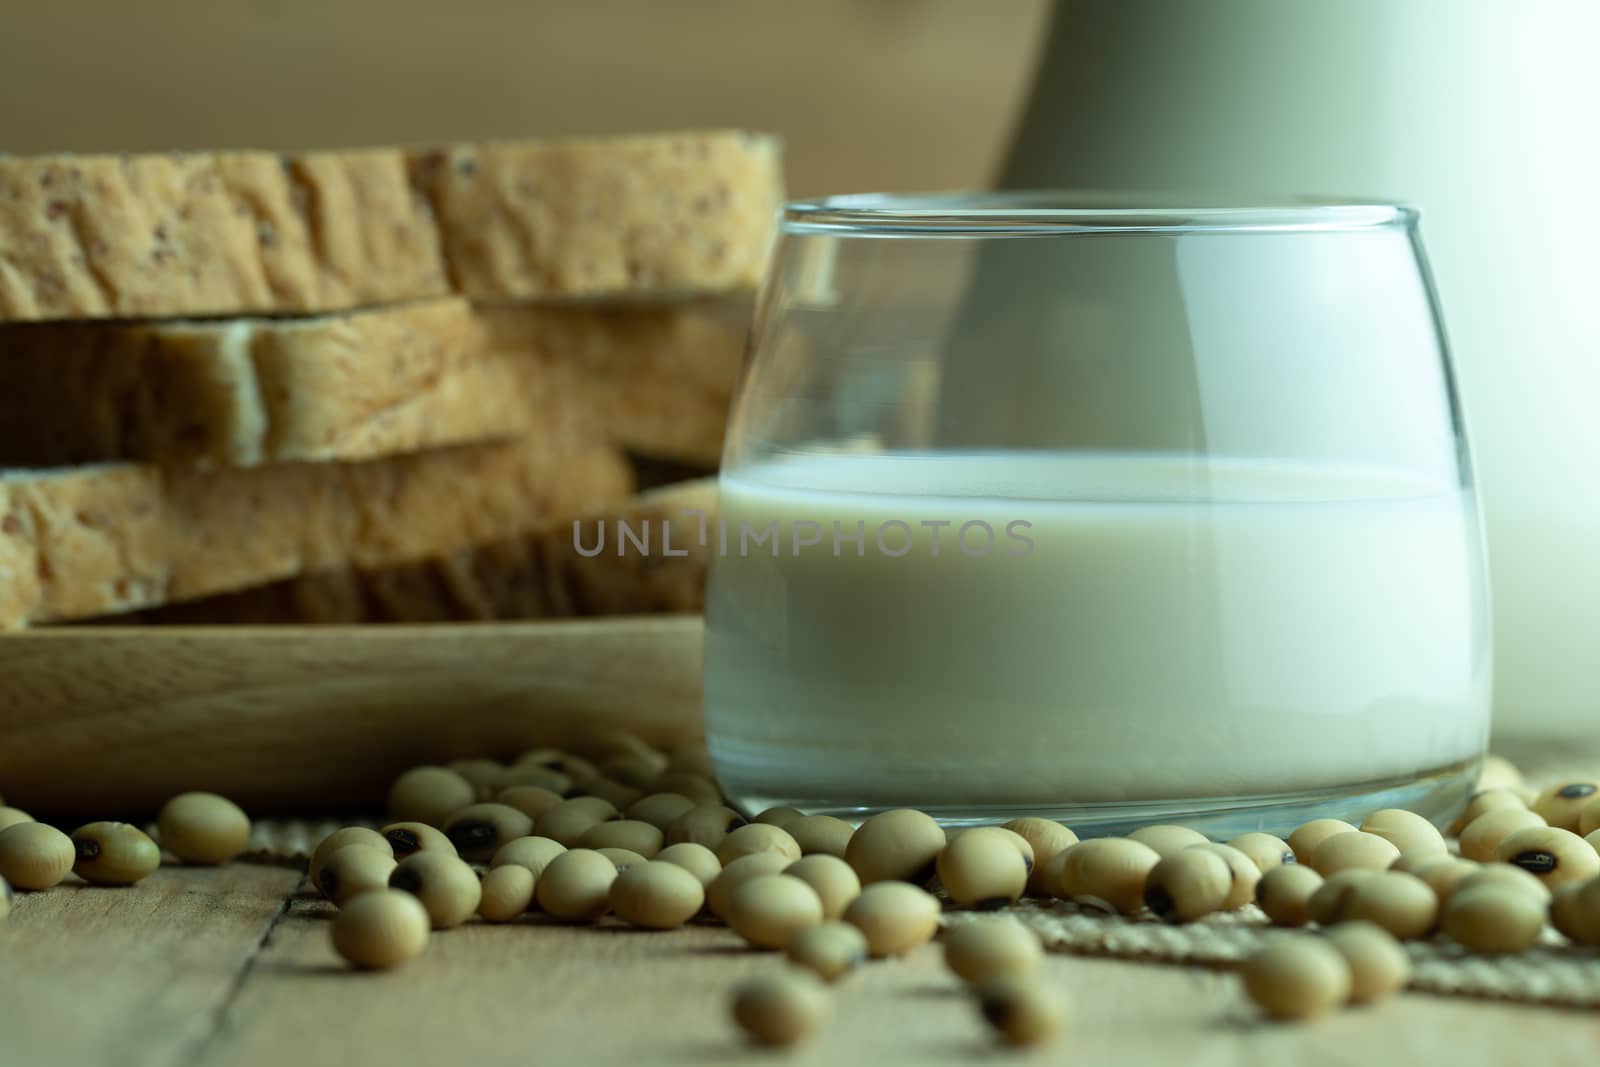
(112, 721)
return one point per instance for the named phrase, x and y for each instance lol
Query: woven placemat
(1553, 972)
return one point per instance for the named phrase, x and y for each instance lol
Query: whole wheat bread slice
(227, 233)
(541, 574)
(89, 541)
(364, 384)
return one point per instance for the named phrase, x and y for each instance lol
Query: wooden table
(233, 966)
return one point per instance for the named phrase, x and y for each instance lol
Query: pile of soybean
(628, 831)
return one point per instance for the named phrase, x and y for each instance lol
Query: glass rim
(1036, 213)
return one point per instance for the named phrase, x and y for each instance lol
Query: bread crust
(228, 233)
(102, 540)
(366, 384)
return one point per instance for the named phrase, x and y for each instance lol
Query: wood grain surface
(137, 976)
(196, 967)
(108, 720)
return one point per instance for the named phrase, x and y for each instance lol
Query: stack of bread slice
(374, 385)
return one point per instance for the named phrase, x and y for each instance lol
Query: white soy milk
(1140, 628)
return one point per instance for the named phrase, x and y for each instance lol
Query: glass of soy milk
(1034, 504)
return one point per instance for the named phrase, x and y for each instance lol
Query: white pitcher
(1483, 113)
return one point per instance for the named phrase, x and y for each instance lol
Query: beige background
(869, 94)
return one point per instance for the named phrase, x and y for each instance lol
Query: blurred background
(867, 94)
(1479, 111)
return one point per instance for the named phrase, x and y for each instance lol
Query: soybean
(1285, 892)
(1402, 904)
(991, 948)
(5, 900)
(430, 795)
(1411, 862)
(114, 853)
(622, 858)
(1588, 816)
(406, 838)
(9, 817)
(757, 837)
(1483, 802)
(1484, 834)
(550, 759)
(1556, 857)
(1264, 850)
(532, 800)
(1499, 773)
(349, 835)
(532, 777)
(1108, 870)
(381, 929)
(203, 828)
(1047, 838)
(1241, 868)
(780, 1007)
(1310, 835)
(1493, 919)
(616, 794)
(1297, 978)
(534, 853)
(833, 879)
(1354, 848)
(1442, 876)
(446, 887)
(698, 788)
(720, 891)
(1562, 803)
(705, 825)
(659, 809)
(1167, 840)
(1407, 831)
(353, 870)
(781, 817)
(821, 834)
(478, 830)
(830, 950)
(1507, 875)
(483, 774)
(507, 892)
(1021, 1011)
(632, 834)
(696, 859)
(894, 916)
(634, 769)
(769, 910)
(1187, 885)
(577, 885)
(609, 743)
(656, 895)
(690, 757)
(1573, 912)
(34, 855)
(899, 845)
(1378, 965)
(1327, 904)
(983, 867)
(569, 820)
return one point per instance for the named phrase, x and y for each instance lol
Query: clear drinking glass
(1112, 515)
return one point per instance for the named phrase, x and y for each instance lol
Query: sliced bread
(162, 235)
(88, 541)
(541, 574)
(364, 384)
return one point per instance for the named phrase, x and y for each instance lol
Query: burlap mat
(1553, 972)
